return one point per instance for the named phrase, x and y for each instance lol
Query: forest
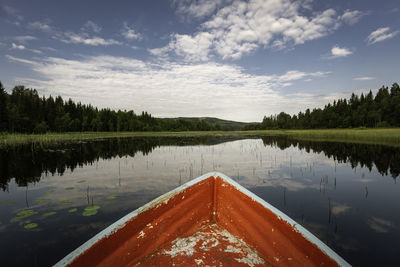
(24, 111)
(381, 110)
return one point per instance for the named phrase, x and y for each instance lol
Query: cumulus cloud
(43, 26)
(352, 16)
(130, 33)
(198, 8)
(337, 51)
(169, 89)
(18, 47)
(365, 78)
(91, 26)
(380, 35)
(237, 28)
(194, 48)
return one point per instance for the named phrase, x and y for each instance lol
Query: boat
(208, 221)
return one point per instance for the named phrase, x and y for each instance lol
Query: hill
(225, 125)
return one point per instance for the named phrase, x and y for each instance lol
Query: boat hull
(214, 202)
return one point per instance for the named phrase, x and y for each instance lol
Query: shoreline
(379, 136)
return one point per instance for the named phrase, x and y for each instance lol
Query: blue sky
(236, 60)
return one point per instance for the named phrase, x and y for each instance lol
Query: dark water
(346, 194)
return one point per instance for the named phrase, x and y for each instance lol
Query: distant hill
(225, 125)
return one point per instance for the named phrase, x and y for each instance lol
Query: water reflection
(71, 191)
(385, 159)
(27, 163)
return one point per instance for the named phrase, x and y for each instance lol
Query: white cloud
(21, 60)
(352, 17)
(22, 47)
(198, 8)
(43, 26)
(161, 52)
(337, 51)
(380, 35)
(293, 75)
(193, 48)
(18, 47)
(169, 89)
(8, 10)
(237, 28)
(25, 38)
(49, 48)
(91, 26)
(366, 78)
(130, 33)
(83, 38)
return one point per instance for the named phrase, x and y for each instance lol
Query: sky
(231, 59)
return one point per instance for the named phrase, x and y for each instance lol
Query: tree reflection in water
(27, 163)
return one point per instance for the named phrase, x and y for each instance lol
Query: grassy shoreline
(389, 136)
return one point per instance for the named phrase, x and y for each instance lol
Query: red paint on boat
(207, 210)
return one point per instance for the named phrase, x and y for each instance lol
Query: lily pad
(112, 196)
(65, 202)
(42, 200)
(7, 202)
(91, 210)
(26, 213)
(69, 188)
(81, 181)
(31, 225)
(50, 213)
(94, 207)
(72, 210)
(23, 214)
(49, 192)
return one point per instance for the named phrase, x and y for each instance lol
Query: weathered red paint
(274, 239)
(198, 210)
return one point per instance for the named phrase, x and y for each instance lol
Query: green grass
(389, 136)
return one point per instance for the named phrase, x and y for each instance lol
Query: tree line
(24, 111)
(381, 110)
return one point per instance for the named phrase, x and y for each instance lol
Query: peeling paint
(210, 243)
(203, 246)
(141, 234)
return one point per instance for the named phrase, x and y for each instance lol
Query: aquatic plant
(81, 181)
(91, 210)
(69, 188)
(22, 215)
(114, 196)
(72, 210)
(30, 225)
(49, 192)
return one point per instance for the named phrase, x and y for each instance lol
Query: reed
(389, 136)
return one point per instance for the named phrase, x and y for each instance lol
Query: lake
(55, 197)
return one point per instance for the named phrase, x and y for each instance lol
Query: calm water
(346, 194)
